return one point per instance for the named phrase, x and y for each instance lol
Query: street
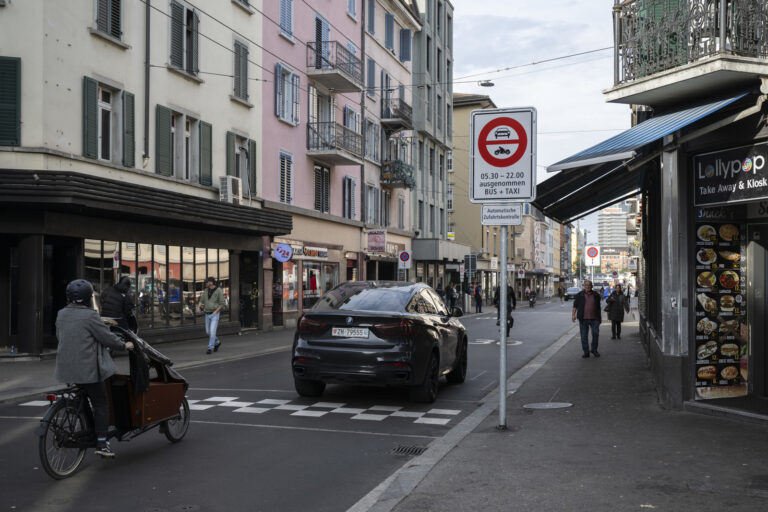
(254, 444)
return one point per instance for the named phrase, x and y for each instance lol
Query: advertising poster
(721, 331)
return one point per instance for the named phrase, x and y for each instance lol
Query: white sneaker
(105, 451)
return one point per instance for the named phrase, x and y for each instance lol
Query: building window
(287, 94)
(372, 139)
(439, 65)
(449, 159)
(373, 204)
(438, 21)
(431, 161)
(10, 101)
(182, 146)
(352, 8)
(286, 178)
(322, 189)
(421, 216)
(351, 119)
(371, 17)
(389, 32)
(371, 78)
(432, 219)
(286, 17)
(442, 222)
(449, 32)
(109, 18)
(429, 103)
(405, 45)
(108, 123)
(449, 197)
(350, 194)
(441, 167)
(241, 161)
(241, 71)
(386, 199)
(185, 38)
(429, 54)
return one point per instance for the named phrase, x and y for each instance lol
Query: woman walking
(616, 305)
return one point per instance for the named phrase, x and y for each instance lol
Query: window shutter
(327, 190)
(238, 71)
(283, 166)
(244, 71)
(371, 77)
(352, 201)
(10, 102)
(296, 82)
(278, 87)
(405, 45)
(345, 199)
(252, 165)
(129, 130)
(114, 19)
(90, 118)
(177, 35)
(102, 16)
(371, 16)
(206, 153)
(289, 180)
(376, 205)
(318, 189)
(389, 31)
(286, 17)
(231, 171)
(163, 141)
(195, 44)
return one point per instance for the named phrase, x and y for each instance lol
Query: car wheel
(459, 372)
(312, 388)
(427, 391)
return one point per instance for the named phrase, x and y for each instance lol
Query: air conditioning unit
(230, 190)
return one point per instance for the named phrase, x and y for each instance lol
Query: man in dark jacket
(511, 303)
(586, 308)
(117, 304)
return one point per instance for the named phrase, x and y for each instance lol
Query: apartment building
(129, 147)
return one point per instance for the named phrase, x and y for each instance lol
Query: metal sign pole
(503, 335)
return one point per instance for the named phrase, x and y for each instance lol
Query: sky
(571, 111)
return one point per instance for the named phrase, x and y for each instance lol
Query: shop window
(188, 284)
(224, 282)
(311, 284)
(145, 284)
(175, 312)
(212, 267)
(330, 276)
(92, 265)
(159, 269)
(201, 273)
(285, 293)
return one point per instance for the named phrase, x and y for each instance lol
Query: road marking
(36, 403)
(221, 398)
(309, 429)
(448, 412)
(479, 374)
(21, 417)
(433, 421)
(370, 417)
(253, 410)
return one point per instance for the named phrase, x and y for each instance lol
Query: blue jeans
(584, 328)
(211, 323)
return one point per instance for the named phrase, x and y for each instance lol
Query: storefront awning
(614, 169)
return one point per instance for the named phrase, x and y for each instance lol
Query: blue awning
(625, 145)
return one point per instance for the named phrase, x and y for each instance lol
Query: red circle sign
(592, 252)
(506, 131)
(404, 256)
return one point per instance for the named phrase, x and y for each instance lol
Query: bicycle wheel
(60, 446)
(176, 429)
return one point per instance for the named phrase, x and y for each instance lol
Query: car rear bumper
(380, 375)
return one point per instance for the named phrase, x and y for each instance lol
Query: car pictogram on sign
(501, 132)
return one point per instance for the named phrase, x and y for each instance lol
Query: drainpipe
(146, 80)
(363, 68)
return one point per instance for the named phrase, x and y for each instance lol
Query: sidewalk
(615, 449)
(21, 379)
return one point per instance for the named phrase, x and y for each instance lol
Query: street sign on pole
(404, 260)
(592, 256)
(502, 215)
(503, 159)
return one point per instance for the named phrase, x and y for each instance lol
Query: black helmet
(124, 285)
(79, 291)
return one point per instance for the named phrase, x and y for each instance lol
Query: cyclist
(82, 357)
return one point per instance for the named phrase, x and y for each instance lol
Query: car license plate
(350, 332)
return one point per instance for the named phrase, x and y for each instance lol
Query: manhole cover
(548, 405)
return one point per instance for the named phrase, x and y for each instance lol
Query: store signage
(283, 252)
(632, 264)
(377, 240)
(502, 215)
(315, 252)
(451, 235)
(503, 160)
(734, 175)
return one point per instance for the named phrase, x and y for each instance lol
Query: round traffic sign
(500, 133)
(592, 252)
(521, 274)
(404, 256)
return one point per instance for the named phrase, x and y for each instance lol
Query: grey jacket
(82, 356)
(216, 301)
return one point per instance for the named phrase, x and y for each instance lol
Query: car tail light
(403, 328)
(309, 326)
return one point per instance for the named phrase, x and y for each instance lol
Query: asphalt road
(254, 444)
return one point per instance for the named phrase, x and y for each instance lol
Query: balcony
(667, 51)
(397, 174)
(396, 114)
(334, 144)
(334, 66)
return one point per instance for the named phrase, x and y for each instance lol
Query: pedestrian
(607, 291)
(586, 308)
(440, 291)
(453, 295)
(478, 298)
(83, 357)
(211, 303)
(560, 292)
(527, 291)
(511, 299)
(616, 305)
(117, 304)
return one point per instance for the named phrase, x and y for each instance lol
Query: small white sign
(494, 263)
(404, 260)
(521, 274)
(510, 267)
(502, 215)
(592, 256)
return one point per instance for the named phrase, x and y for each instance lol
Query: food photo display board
(721, 331)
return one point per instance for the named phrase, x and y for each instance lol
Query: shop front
(60, 226)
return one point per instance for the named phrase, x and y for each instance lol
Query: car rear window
(349, 297)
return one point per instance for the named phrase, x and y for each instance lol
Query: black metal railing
(328, 136)
(396, 173)
(333, 55)
(657, 35)
(396, 108)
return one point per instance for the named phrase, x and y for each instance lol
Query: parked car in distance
(571, 292)
(379, 333)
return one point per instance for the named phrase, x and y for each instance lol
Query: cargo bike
(67, 429)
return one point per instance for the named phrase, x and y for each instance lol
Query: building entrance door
(757, 261)
(249, 289)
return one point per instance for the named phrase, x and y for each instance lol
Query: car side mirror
(457, 312)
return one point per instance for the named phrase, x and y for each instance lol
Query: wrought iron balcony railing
(332, 136)
(331, 55)
(396, 173)
(396, 108)
(657, 35)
